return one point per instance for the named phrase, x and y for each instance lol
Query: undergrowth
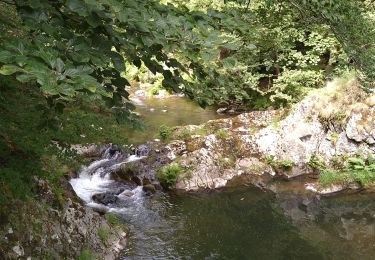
(356, 169)
(168, 175)
(35, 141)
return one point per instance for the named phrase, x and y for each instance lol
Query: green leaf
(78, 7)
(25, 78)
(9, 69)
(117, 60)
(5, 56)
(59, 65)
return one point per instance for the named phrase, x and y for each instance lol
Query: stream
(241, 222)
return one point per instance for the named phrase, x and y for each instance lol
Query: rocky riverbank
(263, 146)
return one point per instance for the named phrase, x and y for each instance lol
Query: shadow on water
(240, 223)
(247, 223)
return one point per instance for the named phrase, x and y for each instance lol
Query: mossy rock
(196, 142)
(126, 172)
(149, 188)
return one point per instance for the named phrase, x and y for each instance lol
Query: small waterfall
(96, 178)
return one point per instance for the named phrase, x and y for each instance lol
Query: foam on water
(87, 185)
(96, 178)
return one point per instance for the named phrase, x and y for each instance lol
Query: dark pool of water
(247, 223)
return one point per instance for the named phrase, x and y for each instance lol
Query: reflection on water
(341, 226)
(246, 223)
(173, 111)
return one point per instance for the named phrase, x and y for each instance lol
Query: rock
(118, 191)
(361, 127)
(142, 150)
(195, 142)
(101, 209)
(127, 193)
(228, 111)
(176, 148)
(112, 152)
(370, 101)
(141, 93)
(219, 124)
(149, 188)
(105, 198)
(18, 250)
(146, 181)
(137, 180)
(259, 139)
(332, 189)
(125, 172)
(92, 150)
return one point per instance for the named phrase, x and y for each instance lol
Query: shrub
(316, 163)
(165, 132)
(279, 164)
(186, 134)
(356, 169)
(112, 219)
(168, 175)
(286, 164)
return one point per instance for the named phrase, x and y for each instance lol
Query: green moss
(221, 133)
(225, 162)
(86, 254)
(113, 220)
(104, 234)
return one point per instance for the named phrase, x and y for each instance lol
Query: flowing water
(232, 223)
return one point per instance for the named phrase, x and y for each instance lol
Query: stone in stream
(125, 172)
(137, 180)
(127, 193)
(112, 151)
(142, 150)
(105, 198)
(149, 188)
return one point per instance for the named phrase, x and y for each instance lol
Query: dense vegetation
(65, 65)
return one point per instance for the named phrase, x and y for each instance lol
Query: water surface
(247, 223)
(171, 111)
